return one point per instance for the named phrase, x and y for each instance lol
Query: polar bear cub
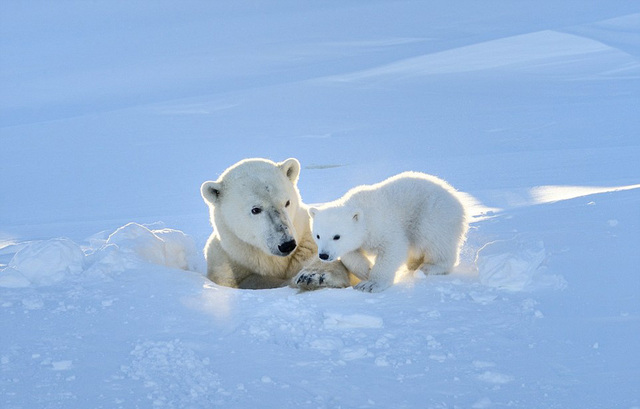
(411, 218)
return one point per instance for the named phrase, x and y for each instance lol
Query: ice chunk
(495, 377)
(335, 321)
(62, 365)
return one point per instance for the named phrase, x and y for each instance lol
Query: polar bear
(412, 218)
(262, 236)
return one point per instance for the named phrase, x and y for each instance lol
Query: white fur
(411, 218)
(245, 249)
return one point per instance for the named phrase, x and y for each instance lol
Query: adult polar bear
(262, 236)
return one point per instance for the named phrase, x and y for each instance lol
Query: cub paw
(371, 286)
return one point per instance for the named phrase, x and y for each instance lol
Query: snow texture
(113, 113)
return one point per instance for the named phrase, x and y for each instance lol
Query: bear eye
(287, 204)
(318, 236)
(336, 237)
(256, 210)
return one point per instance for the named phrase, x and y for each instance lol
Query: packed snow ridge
(47, 262)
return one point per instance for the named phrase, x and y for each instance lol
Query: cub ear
(291, 169)
(312, 212)
(211, 191)
(356, 215)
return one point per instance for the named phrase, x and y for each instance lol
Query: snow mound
(516, 265)
(43, 263)
(48, 262)
(167, 247)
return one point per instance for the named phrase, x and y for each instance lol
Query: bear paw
(320, 274)
(371, 286)
(310, 280)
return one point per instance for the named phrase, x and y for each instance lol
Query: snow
(543, 48)
(167, 247)
(113, 113)
(43, 263)
(516, 265)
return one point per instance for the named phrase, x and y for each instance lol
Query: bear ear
(356, 215)
(291, 169)
(211, 191)
(312, 212)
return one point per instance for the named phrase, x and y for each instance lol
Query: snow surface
(113, 113)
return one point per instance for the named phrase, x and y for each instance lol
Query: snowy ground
(116, 112)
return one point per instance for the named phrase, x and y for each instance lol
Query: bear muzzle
(287, 247)
(324, 257)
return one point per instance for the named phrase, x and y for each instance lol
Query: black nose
(323, 256)
(287, 247)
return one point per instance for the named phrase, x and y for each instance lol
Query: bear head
(257, 201)
(337, 230)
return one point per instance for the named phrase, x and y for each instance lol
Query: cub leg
(436, 269)
(357, 263)
(415, 261)
(383, 272)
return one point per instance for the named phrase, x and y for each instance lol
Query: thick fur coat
(262, 236)
(411, 218)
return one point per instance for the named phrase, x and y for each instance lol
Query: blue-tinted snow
(114, 112)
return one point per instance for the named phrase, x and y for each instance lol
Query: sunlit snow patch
(515, 198)
(549, 194)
